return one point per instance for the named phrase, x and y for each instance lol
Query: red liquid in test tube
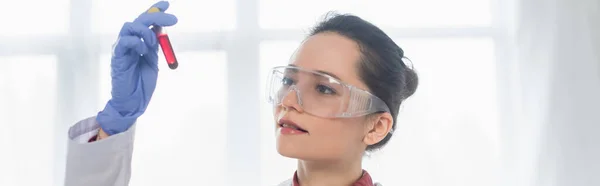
(165, 45)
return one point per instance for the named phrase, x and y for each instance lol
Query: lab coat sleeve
(106, 162)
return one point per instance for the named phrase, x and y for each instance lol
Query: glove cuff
(114, 122)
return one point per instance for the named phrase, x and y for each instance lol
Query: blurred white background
(509, 91)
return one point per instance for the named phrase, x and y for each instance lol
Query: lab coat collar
(365, 180)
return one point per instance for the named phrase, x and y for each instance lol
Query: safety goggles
(320, 94)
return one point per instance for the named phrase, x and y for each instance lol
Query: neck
(342, 173)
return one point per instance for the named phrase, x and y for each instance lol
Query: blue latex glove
(134, 70)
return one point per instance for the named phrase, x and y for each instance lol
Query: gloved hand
(134, 70)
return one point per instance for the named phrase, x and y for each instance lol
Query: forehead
(331, 53)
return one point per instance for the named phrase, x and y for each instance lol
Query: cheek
(339, 131)
(338, 138)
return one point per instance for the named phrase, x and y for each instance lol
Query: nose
(292, 100)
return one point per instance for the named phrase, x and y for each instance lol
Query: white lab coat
(102, 163)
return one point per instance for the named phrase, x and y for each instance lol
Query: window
(193, 124)
(184, 128)
(27, 112)
(193, 16)
(276, 14)
(45, 18)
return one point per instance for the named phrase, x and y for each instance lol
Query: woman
(338, 97)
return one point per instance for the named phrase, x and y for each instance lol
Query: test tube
(166, 47)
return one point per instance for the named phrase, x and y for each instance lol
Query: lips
(289, 124)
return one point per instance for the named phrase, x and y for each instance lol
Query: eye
(287, 81)
(325, 90)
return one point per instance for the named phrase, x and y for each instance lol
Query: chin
(288, 154)
(298, 151)
(290, 149)
(297, 155)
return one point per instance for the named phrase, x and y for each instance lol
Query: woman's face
(325, 138)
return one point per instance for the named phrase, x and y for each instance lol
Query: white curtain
(556, 141)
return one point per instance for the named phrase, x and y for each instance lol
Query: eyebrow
(320, 71)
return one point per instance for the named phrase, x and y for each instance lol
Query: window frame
(78, 81)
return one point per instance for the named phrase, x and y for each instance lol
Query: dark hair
(381, 66)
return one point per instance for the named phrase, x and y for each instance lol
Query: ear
(378, 128)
